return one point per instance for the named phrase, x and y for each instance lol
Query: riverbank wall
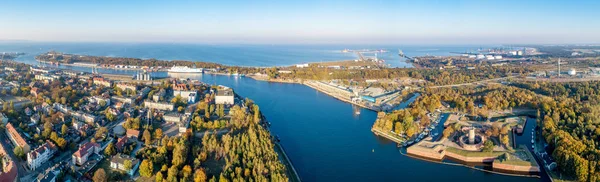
(385, 135)
(467, 159)
(436, 152)
(516, 168)
(293, 174)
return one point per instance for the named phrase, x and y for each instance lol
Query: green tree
(102, 103)
(505, 140)
(19, 152)
(110, 150)
(47, 129)
(101, 132)
(127, 165)
(488, 146)
(110, 116)
(100, 176)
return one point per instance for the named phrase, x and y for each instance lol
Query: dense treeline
(571, 126)
(245, 152)
(434, 76)
(407, 122)
(69, 58)
(103, 60)
(480, 100)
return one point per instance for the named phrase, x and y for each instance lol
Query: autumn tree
(110, 150)
(64, 129)
(505, 140)
(158, 134)
(146, 168)
(200, 175)
(172, 174)
(159, 177)
(147, 137)
(100, 176)
(127, 165)
(186, 173)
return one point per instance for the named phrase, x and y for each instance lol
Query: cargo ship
(184, 69)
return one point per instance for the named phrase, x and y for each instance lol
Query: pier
(338, 93)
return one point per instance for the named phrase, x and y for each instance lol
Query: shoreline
(467, 166)
(278, 148)
(305, 82)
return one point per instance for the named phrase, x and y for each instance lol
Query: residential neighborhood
(63, 125)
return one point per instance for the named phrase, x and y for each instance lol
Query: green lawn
(526, 158)
(473, 153)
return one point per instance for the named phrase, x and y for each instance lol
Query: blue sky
(307, 21)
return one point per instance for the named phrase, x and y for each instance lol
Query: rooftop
(120, 159)
(41, 149)
(131, 132)
(225, 92)
(15, 134)
(83, 149)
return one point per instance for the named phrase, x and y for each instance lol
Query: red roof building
(121, 143)
(85, 150)
(16, 138)
(9, 167)
(133, 133)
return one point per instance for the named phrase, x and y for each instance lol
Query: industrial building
(224, 96)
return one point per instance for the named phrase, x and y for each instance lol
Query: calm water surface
(241, 55)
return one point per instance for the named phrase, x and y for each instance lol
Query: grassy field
(521, 157)
(473, 153)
